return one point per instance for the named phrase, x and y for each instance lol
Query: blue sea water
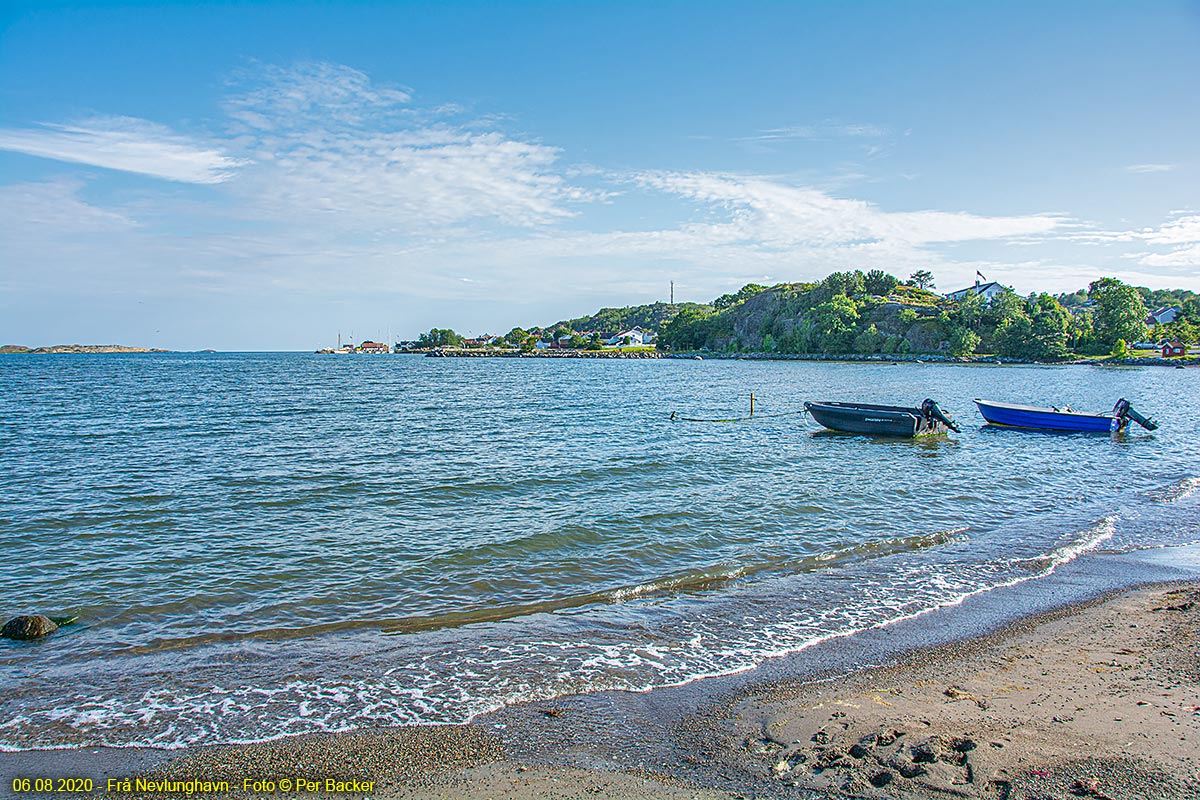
(270, 544)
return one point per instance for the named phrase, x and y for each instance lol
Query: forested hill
(866, 313)
(650, 317)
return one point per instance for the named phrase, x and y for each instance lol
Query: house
(988, 291)
(634, 337)
(372, 347)
(1163, 316)
(1173, 349)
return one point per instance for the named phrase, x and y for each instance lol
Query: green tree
(746, 292)
(963, 341)
(968, 312)
(686, 330)
(1080, 335)
(846, 283)
(516, 336)
(1050, 325)
(1013, 337)
(1184, 330)
(1120, 312)
(869, 341)
(922, 279)
(878, 282)
(834, 322)
(440, 337)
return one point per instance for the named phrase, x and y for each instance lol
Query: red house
(1171, 349)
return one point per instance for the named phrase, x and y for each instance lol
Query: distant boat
(875, 420)
(1012, 415)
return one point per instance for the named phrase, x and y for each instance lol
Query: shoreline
(727, 737)
(837, 358)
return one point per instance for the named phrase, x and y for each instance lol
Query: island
(16, 349)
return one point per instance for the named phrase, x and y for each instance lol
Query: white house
(988, 291)
(632, 337)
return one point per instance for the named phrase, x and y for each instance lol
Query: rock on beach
(32, 626)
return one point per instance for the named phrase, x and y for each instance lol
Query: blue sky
(263, 175)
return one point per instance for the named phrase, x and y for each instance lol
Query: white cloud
(779, 215)
(126, 144)
(1144, 168)
(53, 208)
(823, 130)
(328, 144)
(1181, 257)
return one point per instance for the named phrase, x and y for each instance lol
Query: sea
(261, 545)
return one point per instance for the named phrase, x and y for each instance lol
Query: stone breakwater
(463, 353)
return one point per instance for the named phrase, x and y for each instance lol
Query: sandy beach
(1099, 700)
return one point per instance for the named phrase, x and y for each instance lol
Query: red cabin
(1173, 349)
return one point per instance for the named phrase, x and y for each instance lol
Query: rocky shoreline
(58, 349)
(449, 352)
(1187, 361)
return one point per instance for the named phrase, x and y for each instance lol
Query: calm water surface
(281, 543)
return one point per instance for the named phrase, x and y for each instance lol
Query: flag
(981, 275)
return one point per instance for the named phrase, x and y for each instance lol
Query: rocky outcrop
(33, 626)
(77, 348)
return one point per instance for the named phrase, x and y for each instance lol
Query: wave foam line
(1174, 492)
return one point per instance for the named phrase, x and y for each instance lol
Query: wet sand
(1098, 700)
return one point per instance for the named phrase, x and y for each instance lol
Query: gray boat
(875, 420)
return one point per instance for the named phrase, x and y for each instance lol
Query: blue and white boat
(1012, 415)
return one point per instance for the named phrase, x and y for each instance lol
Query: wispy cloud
(327, 142)
(774, 213)
(1144, 168)
(822, 130)
(127, 144)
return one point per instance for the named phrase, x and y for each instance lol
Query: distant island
(16, 349)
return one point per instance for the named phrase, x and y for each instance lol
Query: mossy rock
(33, 626)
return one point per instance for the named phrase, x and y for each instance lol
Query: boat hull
(874, 420)
(1046, 419)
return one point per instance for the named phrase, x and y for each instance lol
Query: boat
(1012, 415)
(875, 420)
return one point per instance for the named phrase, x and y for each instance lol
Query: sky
(263, 176)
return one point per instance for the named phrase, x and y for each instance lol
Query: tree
(1184, 330)
(1120, 313)
(869, 341)
(686, 330)
(834, 322)
(1050, 328)
(440, 337)
(746, 292)
(922, 279)
(846, 283)
(516, 336)
(1080, 335)
(878, 282)
(963, 341)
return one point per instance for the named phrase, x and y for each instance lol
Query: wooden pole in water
(752, 404)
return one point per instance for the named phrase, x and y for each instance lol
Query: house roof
(979, 287)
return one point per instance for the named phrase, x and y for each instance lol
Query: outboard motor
(930, 410)
(1124, 412)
